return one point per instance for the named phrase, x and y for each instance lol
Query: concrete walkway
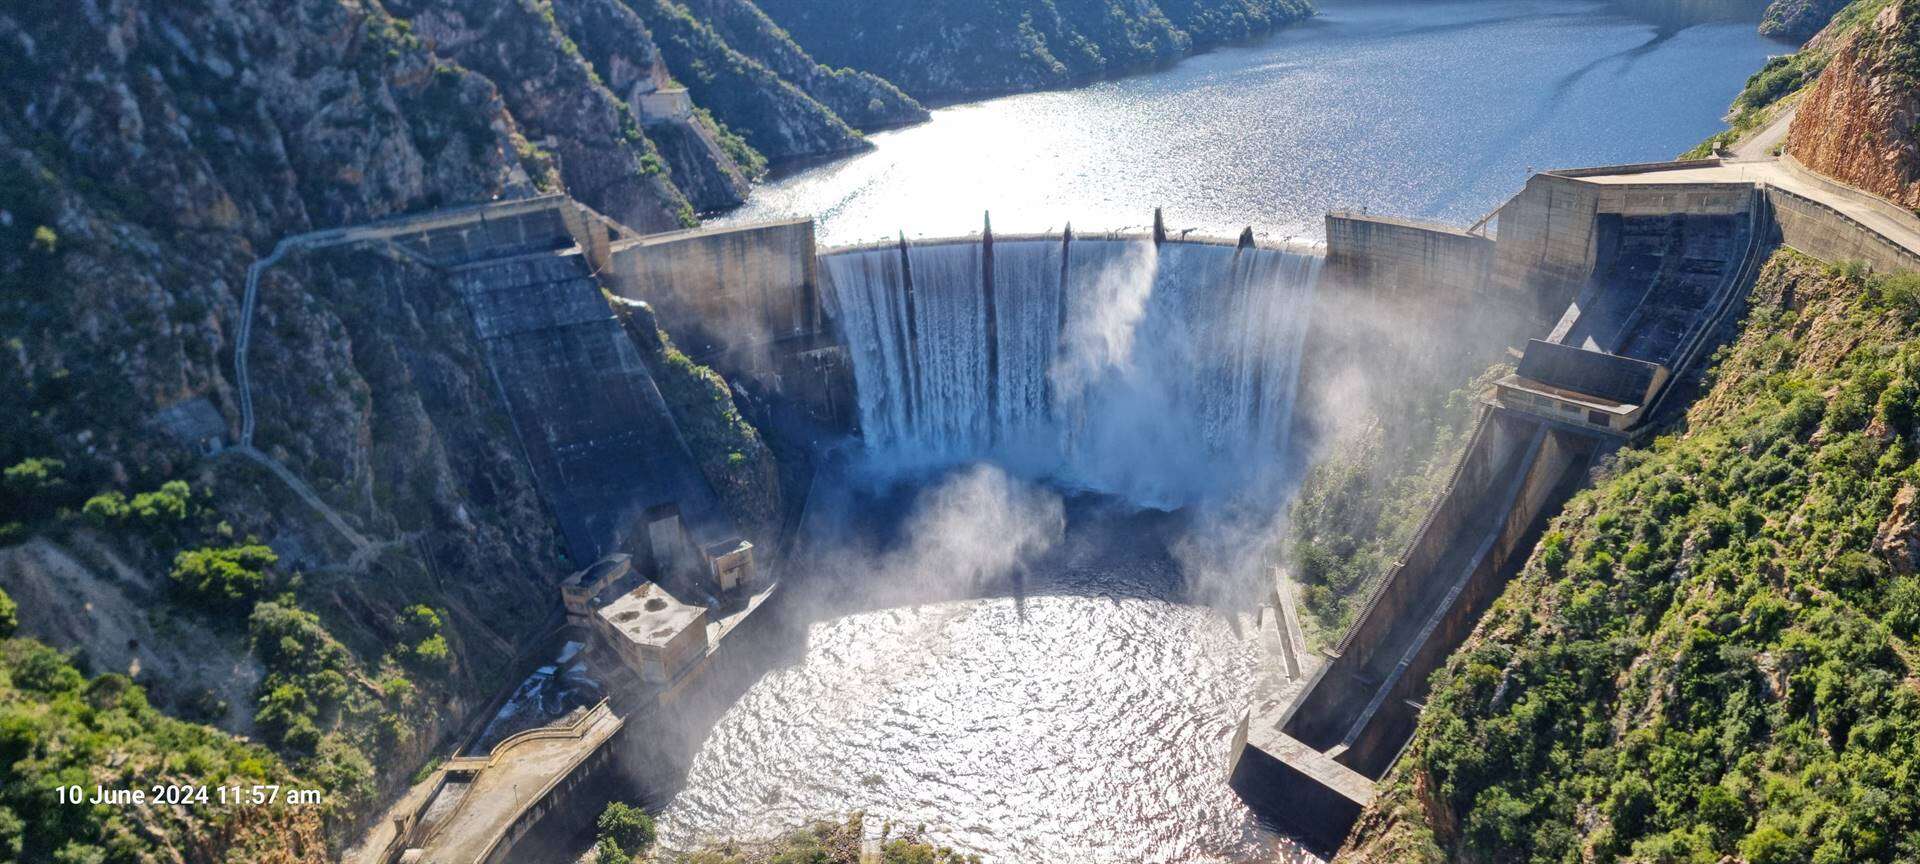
(1889, 220)
(520, 774)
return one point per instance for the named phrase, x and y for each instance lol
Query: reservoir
(1043, 651)
(1427, 109)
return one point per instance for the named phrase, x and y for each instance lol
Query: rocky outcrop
(1798, 20)
(776, 117)
(866, 101)
(617, 47)
(1897, 540)
(605, 158)
(1857, 123)
(711, 179)
(952, 50)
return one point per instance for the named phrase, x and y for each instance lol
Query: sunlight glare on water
(1429, 109)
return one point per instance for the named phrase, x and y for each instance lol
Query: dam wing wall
(589, 416)
(744, 300)
(724, 291)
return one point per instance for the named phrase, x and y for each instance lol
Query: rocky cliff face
(773, 114)
(948, 50)
(620, 54)
(149, 152)
(1857, 123)
(605, 159)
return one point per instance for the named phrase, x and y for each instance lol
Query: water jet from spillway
(1164, 373)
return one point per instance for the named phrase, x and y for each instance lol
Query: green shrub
(1703, 659)
(229, 577)
(628, 828)
(106, 509)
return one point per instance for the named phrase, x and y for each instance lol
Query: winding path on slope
(364, 550)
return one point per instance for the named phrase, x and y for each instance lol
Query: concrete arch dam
(1112, 363)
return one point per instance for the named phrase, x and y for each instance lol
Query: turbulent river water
(1029, 679)
(1034, 678)
(1431, 108)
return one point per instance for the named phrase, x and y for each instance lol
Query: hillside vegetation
(947, 50)
(59, 728)
(1713, 651)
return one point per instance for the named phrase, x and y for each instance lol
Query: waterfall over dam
(1164, 373)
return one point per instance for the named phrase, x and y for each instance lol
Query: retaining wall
(1315, 799)
(1828, 234)
(1339, 692)
(1551, 478)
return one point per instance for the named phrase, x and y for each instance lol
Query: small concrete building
(730, 562)
(1581, 387)
(708, 554)
(578, 591)
(657, 98)
(654, 633)
(666, 105)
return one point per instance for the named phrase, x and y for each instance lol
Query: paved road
(1891, 221)
(1760, 144)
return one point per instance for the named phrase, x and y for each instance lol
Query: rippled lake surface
(1082, 714)
(1429, 109)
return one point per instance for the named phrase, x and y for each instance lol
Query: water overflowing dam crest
(1115, 365)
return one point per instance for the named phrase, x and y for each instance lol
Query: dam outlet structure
(1161, 372)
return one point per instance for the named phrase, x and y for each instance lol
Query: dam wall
(721, 291)
(1406, 260)
(1547, 244)
(1544, 248)
(744, 300)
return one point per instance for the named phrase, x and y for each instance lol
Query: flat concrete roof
(649, 616)
(599, 570)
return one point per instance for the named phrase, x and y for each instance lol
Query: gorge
(1040, 529)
